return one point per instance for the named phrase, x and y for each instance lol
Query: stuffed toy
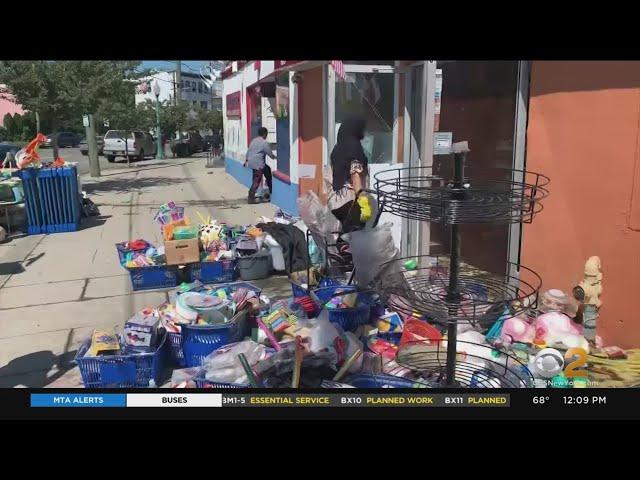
(209, 231)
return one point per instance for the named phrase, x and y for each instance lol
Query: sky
(187, 65)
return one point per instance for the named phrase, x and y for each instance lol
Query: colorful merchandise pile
(210, 251)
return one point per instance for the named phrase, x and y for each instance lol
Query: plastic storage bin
(347, 318)
(213, 272)
(198, 341)
(121, 371)
(52, 199)
(155, 276)
(256, 266)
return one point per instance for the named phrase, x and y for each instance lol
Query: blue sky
(187, 65)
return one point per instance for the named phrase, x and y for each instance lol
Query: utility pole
(90, 130)
(33, 67)
(178, 82)
(179, 98)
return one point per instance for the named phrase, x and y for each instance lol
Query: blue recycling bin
(52, 199)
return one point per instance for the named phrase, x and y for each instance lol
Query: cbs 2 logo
(550, 362)
(581, 360)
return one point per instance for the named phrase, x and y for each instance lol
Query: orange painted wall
(310, 117)
(583, 133)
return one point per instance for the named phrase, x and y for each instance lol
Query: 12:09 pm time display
(584, 400)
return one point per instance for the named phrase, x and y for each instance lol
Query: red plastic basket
(419, 331)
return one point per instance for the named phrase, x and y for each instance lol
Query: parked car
(191, 142)
(65, 139)
(8, 147)
(84, 147)
(137, 145)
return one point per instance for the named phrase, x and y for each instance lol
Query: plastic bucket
(254, 267)
(419, 331)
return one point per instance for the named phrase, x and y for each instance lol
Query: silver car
(136, 145)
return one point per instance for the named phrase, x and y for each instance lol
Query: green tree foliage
(19, 128)
(62, 91)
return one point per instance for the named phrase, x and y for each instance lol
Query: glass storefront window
(370, 95)
(281, 112)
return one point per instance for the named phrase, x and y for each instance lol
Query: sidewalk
(55, 289)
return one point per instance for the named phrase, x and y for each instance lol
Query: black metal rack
(445, 290)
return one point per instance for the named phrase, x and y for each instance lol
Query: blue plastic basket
(299, 291)
(198, 341)
(122, 250)
(121, 371)
(348, 318)
(213, 272)
(155, 276)
(175, 348)
(368, 380)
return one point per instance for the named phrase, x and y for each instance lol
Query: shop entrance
(478, 101)
(371, 90)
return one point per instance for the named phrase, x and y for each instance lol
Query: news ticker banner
(225, 400)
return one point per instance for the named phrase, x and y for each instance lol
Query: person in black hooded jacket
(349, 164)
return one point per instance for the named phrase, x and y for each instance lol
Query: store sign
(442, 142)
(234, 105)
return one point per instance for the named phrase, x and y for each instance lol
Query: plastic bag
(318, 218)
(223, 364)
(370, 249)
(184, 378)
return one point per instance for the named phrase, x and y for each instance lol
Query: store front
(261, 90)
(303, 103)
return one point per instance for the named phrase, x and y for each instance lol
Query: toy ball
(548, 363)
(3, 234)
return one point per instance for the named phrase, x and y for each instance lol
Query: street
(74, 155)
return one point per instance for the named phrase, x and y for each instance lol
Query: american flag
(338, 67)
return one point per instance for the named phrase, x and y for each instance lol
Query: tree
(62, 91)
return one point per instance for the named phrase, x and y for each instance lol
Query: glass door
(370, 90)
(414, 143)
(478, 101)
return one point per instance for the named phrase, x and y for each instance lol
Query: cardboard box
(179, 252)
(140, 331)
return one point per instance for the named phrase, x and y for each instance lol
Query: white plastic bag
(318, 218)
(223, 364)
(370, 249)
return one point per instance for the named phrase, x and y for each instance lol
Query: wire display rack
(477, 365)
(482, 298)
(447, 291)
(496, 196)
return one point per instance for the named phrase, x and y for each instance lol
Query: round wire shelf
(477, 365)
(482, 297)
(498, 196)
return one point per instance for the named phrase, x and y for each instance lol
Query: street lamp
(156, 92)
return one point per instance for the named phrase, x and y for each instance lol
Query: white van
(138, 145)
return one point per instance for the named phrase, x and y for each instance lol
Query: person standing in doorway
(259, 149)
(348, 201)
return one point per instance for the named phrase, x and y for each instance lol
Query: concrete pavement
(55, 289)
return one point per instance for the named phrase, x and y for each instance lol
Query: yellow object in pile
(606, 372)
(103, 343)
(254, 232)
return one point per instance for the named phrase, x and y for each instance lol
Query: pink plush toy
(516, 329)
(557, 328)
